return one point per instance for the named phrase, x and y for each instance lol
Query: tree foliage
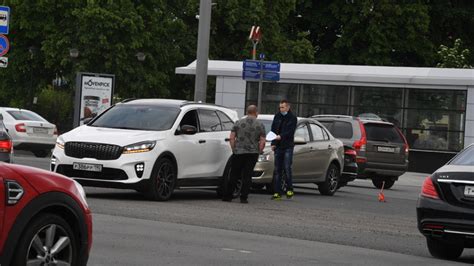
(455, 57)
(109, 34)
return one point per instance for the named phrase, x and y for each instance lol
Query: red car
(44, 218)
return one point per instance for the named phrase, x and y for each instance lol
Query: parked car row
(155, 146)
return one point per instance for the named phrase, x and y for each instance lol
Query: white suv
(151, 145)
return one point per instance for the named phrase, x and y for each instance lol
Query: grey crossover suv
(382, 150)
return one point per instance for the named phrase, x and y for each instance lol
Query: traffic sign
(271, 76)
(4, 45)
(251, 65)
(4, 19)
(3, 61)
(250, 74)
(271, 66)
(256, 65)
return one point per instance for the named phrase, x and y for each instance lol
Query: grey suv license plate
(385, 149)
(87, 167)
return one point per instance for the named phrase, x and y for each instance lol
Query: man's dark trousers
(283, 162)
(242, 166)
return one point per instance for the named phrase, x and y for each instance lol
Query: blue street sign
(4, 19)
(251, 65)
(271, 76)
(271, 66)
(250, 75)
(4, 45)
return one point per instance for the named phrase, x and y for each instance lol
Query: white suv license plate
(469, 191)
(385, 149)
(87, 167)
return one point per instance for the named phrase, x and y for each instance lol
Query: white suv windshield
(138, 117)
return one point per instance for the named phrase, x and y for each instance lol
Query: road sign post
(261, 71)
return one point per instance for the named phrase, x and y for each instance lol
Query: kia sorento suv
(150, 145)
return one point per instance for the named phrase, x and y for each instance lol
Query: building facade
(433, 107)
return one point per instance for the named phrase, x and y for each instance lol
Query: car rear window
(138, 117)
(25, 115)
(382, 132)
(339, 129)
(465, 157)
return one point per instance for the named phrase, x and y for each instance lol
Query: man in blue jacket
(284, 126)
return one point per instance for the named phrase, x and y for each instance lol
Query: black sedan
(446, 207)
(6, 146)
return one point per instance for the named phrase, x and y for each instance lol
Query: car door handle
(202, 141)
(330, 147)
(227, 139)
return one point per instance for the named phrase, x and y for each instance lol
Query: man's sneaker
(244, 201)
(289, 194)
(276, 196)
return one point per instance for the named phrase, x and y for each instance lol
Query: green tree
(368, 32)
(454, 57)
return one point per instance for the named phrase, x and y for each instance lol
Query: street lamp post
(32, 50)
(74, 54)
(141, 58)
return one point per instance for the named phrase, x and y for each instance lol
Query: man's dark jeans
(283, 162)
(242, 166)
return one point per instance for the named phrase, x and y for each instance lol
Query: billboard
(93, 95)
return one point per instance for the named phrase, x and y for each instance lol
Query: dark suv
(382, 150)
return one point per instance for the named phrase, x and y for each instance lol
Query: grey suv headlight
(144, 146)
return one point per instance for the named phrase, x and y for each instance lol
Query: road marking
(228, 249)
(245, 251)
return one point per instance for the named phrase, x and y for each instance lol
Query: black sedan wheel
(163, 181)
(330, 185)
(442, 250)
(49, 240)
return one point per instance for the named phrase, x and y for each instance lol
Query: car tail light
(350, 152)
(433, 226)
(428, 189)
(361, 144)
(5, 145)
(20, 127)
(406, 148)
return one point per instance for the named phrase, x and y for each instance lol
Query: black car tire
(330, 185)
(443, 250)
(41, 153)
(36, 229)
(378, 182)
(162, 181)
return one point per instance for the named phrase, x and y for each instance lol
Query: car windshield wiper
(130, 128)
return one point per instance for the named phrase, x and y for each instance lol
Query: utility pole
(202, 50)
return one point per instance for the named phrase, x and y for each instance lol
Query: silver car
(318, 157)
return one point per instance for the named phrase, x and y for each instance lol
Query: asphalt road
(351, 227)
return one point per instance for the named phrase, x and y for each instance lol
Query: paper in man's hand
(271, 136)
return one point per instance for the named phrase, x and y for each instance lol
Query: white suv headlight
(60, 143)
(144, 146)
